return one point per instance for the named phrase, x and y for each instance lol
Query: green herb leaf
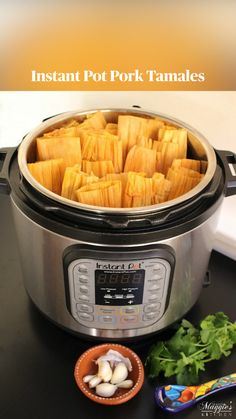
(187, 325)
(214, 350)
(169, 368)
(187, 352)
(232, 334)
(205, 334)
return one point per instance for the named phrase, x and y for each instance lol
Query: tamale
(160, 188)
(145, 142)
(48, 173)
(187, 163)
(103, 146)
(67, 148)
(99, 168)
(181, 182)
(179, 136)
(138, 191)
(103, 193)
(141, 159)
(169, 151)
(94, 121)
(73, 180)
(112, 128)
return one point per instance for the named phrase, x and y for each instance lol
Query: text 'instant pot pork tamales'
(131, 162)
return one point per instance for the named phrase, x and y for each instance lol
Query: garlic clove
(105, 389)
(94, 381)
(120, 373)
(114, 357)
(104, 371)
(87, 378)
(125, 384)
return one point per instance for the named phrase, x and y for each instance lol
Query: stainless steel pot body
(42, 262)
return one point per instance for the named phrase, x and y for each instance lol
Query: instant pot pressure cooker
(113, 273)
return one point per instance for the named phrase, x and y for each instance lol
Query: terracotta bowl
(86, 365)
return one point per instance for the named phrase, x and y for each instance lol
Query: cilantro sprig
(191, 348)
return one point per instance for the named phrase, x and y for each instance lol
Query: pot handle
(228, 159)
(5, 158)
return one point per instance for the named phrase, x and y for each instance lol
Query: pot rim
(57, 120)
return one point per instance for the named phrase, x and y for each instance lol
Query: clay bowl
(86, 365)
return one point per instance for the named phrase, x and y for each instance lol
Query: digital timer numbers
(132, 278)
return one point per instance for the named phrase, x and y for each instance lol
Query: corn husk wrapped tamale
(168, 126)
(123, 177)
(187, 163)
(153, 127)
(138, 191)
(99, 168)
(75, 179)
(160, 188)
(178, 136)
(166, 153)
(141, 159)
(92, 122)
(102, 194)
(103, 146)
(112, 128)
(188, 172)
(69, 129)
(48, 173)
(182, 181)
(67, 148)
(132, 129)
(145, 142)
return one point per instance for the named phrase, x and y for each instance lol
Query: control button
(85, 308)
(154, 287)
(130, 310)
(83, 268)
(83, 297)
(157, 298)
(129, 319)
(156, 277)
(83, 279)
(150, 316)
(84, 289)
(104, 310)
(106, 319)
(159, 293)
(86, 317)
(130, 296)
(151, 307)
(107, 296)
(157, 267)
(153, 297)
(120, 296)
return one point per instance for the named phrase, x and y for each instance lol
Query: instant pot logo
(219, 409)
(131, 265)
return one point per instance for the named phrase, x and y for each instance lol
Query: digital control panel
(119, 288)
(108, 294)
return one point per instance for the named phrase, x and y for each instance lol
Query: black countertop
(37, 358)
